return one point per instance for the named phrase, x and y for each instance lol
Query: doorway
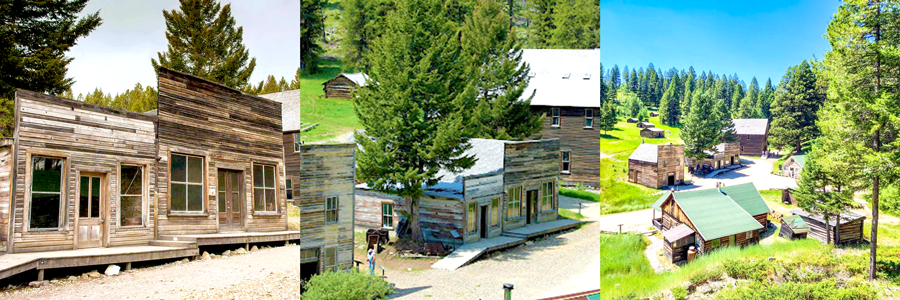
(91, 208)
(671, 179)
(484, 221)
(231, 200)
(531, 198)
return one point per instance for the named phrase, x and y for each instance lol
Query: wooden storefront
(726, 155)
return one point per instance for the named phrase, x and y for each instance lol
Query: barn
(753, 135)
(344, 85)
(653, 132)
(848, 231)
(656, 166)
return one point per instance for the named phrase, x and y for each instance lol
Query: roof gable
(646, 153)
(714, 214)
(563, 77)
(290, 109)
(751, 126)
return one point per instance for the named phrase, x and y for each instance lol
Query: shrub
(712, 274)
(825, 290)
(746, 269)
(679, 293)
(346, 285)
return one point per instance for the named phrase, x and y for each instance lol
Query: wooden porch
(12, 264)
(227, 238)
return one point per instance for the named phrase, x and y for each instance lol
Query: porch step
(170, 243)
(179, 238)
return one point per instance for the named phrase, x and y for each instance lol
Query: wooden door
(531, 198)
(91, 210)
(231, 200)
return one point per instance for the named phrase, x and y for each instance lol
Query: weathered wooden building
(793, 227)
(632, 120)
(512, 184)
(848, 231)
(793, 166)
(565, 88)
(657, 166)
(725, 155)
(753, 135)
(727, 216)
(654, 133)
(344, 85)
(645, 125)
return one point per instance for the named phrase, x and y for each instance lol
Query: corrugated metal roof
(750, 126)
(488, 159)
(714, 214)
(796, 223)
(645, 153)
(677, 233)
(846, 217)
(548, 85)
(747, 196)
(290, 108)
(656, 205)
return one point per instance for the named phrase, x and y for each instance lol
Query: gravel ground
(263, 274)
(758, 171)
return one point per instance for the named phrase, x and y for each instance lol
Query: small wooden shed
(344, 85)
(654, 114)
(645, 125)
(793, 227)
(653, 132)
(848, 231)
(677, 241)
(632, 120)
(787, 196)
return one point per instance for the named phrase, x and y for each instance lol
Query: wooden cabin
(793, 166)
(565, 89)
(654, 114)
(725, 155)
(793, 227)
(632, 120)
(753, 135)
(654, 133)
(787, 196)
(645, 125)
(848, 231)
(727, 216)
(656, 166)
(344, 85)
(511, 185)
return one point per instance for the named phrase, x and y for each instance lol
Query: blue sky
(748, 38)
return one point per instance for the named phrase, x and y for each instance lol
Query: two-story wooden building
(725, 155)
(564, 86)
(710, 218)
(753, 135)
(657, 166)
(511, 185)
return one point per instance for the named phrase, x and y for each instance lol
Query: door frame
(241, 191)
(483, 231)
(104, 208)
(530, 207)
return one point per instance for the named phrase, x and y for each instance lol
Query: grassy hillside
(336, 117)
(616, 145)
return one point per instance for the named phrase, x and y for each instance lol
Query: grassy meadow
(335, 116)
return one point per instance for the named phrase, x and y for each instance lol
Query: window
(554, 114)
(297, 142)
(131, 196)
(330, 259)
(387, 215)
(187, 183)
(89, 197)
(46, 191)
(471, 218)
(263, 188)
(514, 203)
(495, 212)
(748, 235)
(547, 195)
(588, 118)
(308, 255)
(566, 161)
(290, 190)
(331, 210)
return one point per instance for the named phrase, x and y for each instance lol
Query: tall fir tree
(669, 105)
(540, 16)
(702, 127)
(271, 86)
(576, 24)
(794, 110)
(822, 187)
(34, 39)
(608, 116)
(312, 28)
(204, 42)
(764, 103)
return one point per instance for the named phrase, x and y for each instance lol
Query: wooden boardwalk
(12, 264)
(234, 237)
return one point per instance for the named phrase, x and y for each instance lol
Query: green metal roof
(796, 223)
(800, 159)
(748, 197)
(714, 214)
(660, 201)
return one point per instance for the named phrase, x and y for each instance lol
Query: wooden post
(40, 275)
(620, 228)
(247, 246)
(128, 266)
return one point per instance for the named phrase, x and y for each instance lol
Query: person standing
(371, 258)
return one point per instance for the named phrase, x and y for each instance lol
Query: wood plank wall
(317, 172)
(367, 208)
(849, 232)
(583, 143)
(529, 164)
(230, 130)
(752, 144)
(90, 138)
(340, 87)
(644, 173)
(481, 190)
(5, 185)
(435, 213)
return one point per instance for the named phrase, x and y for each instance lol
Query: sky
(748, 38)
(116, 55)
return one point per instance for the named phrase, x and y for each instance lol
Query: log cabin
(512, 184)
(564, 87)
(645, 125)
(657, 166)
(726, 216)
(344, 85)
(632, 120)
(848, 231)
(753, 135)
(725, 155)
(793, 227)
(654, 133)
(793, 166)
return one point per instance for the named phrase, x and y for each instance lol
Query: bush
(793, 290)
(746, 269)
(710, 275)
(346, 285)
(679, 293)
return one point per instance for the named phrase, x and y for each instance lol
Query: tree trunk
(827, 230)
(875, 179)
(414, 226)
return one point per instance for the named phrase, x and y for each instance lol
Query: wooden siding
(482, 190)
(368, 209)
(530, 164)
(850, 232)
(724, 159)
(788, 232)
(679, 253)
(89, 138)
(786, 168)
(318, 172)
(740, 240)
(5, 190)
(656, 175)
(753, 145)
(652, 134)
(584, 143)
(230, 130)
(340, 87)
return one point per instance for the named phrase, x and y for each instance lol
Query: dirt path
(589, 209)
(638, 221)
(652, 253)
(758, 171)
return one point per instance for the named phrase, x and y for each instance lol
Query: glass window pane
(46, 174)
(44, 211)
(179, 193)
(95, 197)
(258, 199)
(222, 204)
(84, 196)
(257, 176)
(270, 176)
(220, 181)
(131, 180)
(236, 182)
(270, 200)
(195, 170)
(132, 207)
(236, 203)
(179, 168)
(195, 198)
(289, 183)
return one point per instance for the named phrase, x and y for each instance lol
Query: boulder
(205, 256)
(226, 253)
(93, 274)
(38, 283)
(241, 251)
(254, 248)
(72, 278)
(112, 270)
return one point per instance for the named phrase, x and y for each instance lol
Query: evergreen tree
(283, 85)
(795, 107)
(635, 106)
(363, 21)
(821, 188)
(500, 77)
(204, 42)
(34, 37)
(863, 95)
(669, 105)
(764, 103)
(576, 24)
(271, 86)
(417, 118)
(608, 117)
(702, 127)
(614, 78)
(295, 83)
(633, 85)
(540, 15)
(312, 28)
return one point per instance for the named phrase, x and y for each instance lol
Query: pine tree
(766, 97)
(295, 83)
(702, 127)
(312, 26)
(795, 107)
(608, 116)
(34, 37)
(614, 78)
(417, 118)
(633, 84)
(669, 105)
(500, 77)
(271, 86)
(204, 42)
(576, 24)
(363, 21)
(821, 187)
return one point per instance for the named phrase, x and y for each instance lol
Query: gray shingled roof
(654, 129)
(846, 217)
(645, 153)
(548, 85)
(489, 159)
(290, 109)
(750, 126)
(677, 233)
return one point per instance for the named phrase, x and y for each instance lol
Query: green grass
(568, 214)
(888, 234)
(616, 145)
(335, 116)
(579, 194)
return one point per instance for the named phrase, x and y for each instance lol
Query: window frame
(565, 165)
(273, 188)
(334, 208)
(387, 216)
(514, 199)
(297, 141)
(588, 118)
(187, 183)
(61, 221)
(143, 195)
(547, 190)
(289, 189)
(472, 218)
(555, 120)
(325, 265)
